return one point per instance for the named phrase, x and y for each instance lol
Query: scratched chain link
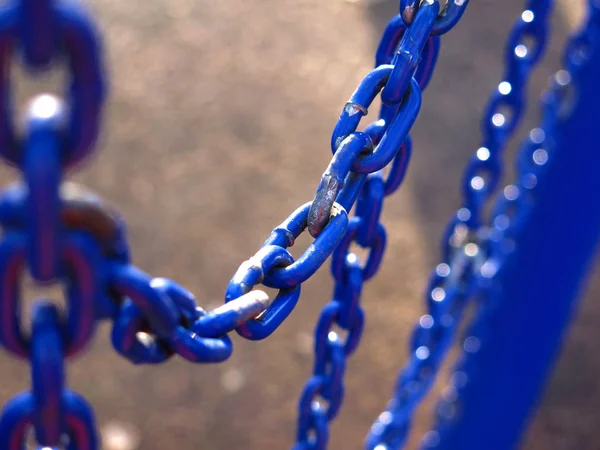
(62, 233)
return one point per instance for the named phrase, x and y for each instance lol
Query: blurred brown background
(217, 128)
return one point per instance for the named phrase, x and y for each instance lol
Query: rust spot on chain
(409, 14)
(83, 210)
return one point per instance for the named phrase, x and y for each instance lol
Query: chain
(512, 208)
(32, 216)
(63, 234)
(452, 282)
(404, 51)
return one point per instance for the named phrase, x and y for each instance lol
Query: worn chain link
(452, 282)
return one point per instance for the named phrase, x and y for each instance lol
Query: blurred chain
(62, 234)
(453, 281)
(32, 216)
(512, 208)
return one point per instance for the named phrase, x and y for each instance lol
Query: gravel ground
(217, 128)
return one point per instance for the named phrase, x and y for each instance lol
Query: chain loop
(76, 34)
(391, 38)
(82, 261)
(368, 207)
(18, 416)
(47, 368)
(397, 131)
(333, 180)
(409, 52)
(377, 247)
(43, 175)
(253, 272)
(57, 415)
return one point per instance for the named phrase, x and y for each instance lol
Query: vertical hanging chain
(511, 210)
(45, 31)
(453, 281)
(405, 50)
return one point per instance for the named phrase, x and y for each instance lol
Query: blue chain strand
(404, 52)
(452, 282)
(64, 234)
(32, 217)
(511, 209)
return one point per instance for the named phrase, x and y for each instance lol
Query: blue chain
(511, 210)
(404, 51)
(452, 282)
(33, 218)
(66, 235)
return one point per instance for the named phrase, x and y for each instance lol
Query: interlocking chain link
(453, 281)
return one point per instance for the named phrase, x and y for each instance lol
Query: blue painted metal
(74, 30)
(448, 18)
(529, 290)
(47, 373)
(452, 282)
(314, 256)
(79, 255)
(403, 79)
(396, 132)
(62, 233)
(42, 172)
(408, 54)
(36, 23)
(53, 411)
(253, 272)
(334, 178)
